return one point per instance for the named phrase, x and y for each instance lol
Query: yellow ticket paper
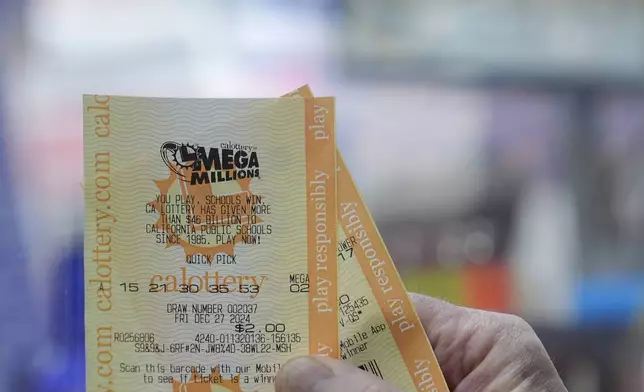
(210, 232)
(380, 331)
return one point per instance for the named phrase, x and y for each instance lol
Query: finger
(322, 374)
(435, 313)
(301, 374)
(441, 320)
(460, 337)
(478, 349)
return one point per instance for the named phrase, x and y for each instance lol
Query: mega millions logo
(206, 205)
(198, 165)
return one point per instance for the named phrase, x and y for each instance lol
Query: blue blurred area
(610, 300)
(67, 324)
(25, 357)
(18, 326)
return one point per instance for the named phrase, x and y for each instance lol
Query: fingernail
(301, 375)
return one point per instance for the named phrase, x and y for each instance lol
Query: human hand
(478, 351)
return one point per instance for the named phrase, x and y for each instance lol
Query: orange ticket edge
(322, 226)
(385, 281)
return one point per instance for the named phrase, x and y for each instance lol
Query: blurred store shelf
(546, 42)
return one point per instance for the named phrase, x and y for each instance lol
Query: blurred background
(499, 145)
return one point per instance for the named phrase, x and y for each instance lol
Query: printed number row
(193, 288)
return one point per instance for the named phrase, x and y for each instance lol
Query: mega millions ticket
(380, 331)
(210, 241)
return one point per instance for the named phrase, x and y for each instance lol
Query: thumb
(323, 374)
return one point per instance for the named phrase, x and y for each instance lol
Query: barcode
(371, 367)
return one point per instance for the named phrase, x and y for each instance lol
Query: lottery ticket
(380, 331)
(210, 236)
